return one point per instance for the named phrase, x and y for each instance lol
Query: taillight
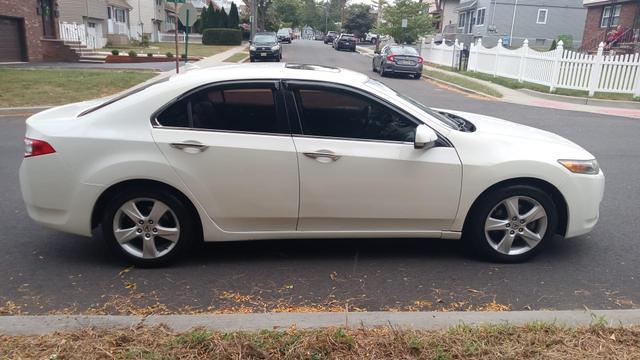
(420, 60)
(390, 58)
(34, 147)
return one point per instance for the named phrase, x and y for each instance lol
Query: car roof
(257, 71)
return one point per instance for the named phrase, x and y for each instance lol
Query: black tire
(252, 60)
(474, 232)
(186, 223)
(417, 76)
(373, 66)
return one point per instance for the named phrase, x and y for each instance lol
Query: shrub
(149, 54)
(169, 54)
(183, 56)
(567, 41)
(144, 42)
(133, 53)
(222, 37)
(115, 52)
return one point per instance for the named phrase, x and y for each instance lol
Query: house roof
(600, 2)
(119, 3)
(467, 5)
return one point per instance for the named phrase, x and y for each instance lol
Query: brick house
(604, 17)
(28, 31)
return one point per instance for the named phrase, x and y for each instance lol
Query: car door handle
(189, 145)
(322, 154)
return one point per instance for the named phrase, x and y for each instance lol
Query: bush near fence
(221, 37)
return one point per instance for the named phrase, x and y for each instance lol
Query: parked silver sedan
(398, 59)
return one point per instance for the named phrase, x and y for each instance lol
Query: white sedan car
(274, 151)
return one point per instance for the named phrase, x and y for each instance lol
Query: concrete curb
(620, 104)
(462, 88)
(23, 111)
(38, 325)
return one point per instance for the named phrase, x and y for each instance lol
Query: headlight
(252, 48)
(274, 48)
(590, 167)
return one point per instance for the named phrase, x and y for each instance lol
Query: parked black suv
(331, 35)
(265, 46)
(346, 41)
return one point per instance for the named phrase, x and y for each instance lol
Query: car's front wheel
(512, 224)
(148, 228)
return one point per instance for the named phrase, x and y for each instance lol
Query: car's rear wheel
(512, 224)
(148, 228)
(417, 76)
(373, 66)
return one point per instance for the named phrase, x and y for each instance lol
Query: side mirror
(425, 137)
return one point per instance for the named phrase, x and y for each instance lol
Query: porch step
(94, 58)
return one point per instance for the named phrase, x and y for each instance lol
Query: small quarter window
(542, 16)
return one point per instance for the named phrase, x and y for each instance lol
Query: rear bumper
(403, 69)
(268, 54)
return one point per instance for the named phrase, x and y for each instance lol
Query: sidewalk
(44, 324)
(549, 101)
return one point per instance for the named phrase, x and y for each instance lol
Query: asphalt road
(43, 270)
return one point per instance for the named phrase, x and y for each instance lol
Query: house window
(158, 2)
(540, 42)
(611, 16)
(108, 13)
(120, 15)
(461, 19)
(480, 17)
(542, 16)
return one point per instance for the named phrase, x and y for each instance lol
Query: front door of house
(48, 23)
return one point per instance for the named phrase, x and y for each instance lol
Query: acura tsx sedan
(275, 151)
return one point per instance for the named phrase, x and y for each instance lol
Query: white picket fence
(441, 54)
(170, 37)
(558, 68)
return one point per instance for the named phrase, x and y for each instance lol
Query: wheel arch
(556, 196)
(103, 199)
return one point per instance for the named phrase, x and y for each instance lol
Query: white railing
(559, 68)
(441, 54)
(119, 28)
(86, 36)
(170, 37)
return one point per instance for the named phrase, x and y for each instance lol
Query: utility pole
(254, 17)
(513, 22)
(378, 22)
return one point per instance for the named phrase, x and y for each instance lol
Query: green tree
(224, 18)
(419, 22)
(203, 22)
(359, 19)
(234, 17)
(288, 12)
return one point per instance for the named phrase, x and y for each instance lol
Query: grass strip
(33, 87)
(462, 81)
(164, 47)
(535, 340)
(236, 57)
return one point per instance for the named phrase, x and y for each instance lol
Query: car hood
(522, 137)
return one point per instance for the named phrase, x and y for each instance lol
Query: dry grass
(537, 340)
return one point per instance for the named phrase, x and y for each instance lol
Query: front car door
(231, 145)
(359, 170)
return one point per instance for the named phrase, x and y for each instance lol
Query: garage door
(11, 46)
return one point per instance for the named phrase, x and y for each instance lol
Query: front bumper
(403, 69)
(264, 54)
(341, 46)
(583, 194)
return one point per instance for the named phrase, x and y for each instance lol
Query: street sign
(404, 23)
(190, 18)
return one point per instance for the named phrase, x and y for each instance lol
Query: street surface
(43, 270)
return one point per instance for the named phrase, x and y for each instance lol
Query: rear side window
(342, 114)
(231, 108)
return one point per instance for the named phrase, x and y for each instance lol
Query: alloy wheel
(146, 228)
(516, 225)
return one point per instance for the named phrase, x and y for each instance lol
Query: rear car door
(231, 145)
(359, 170)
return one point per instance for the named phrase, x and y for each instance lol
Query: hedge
(222, 37)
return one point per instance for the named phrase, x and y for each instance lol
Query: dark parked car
(284, 35)
(265, 46)
(398, 59)
(331, 35)
(346, 42)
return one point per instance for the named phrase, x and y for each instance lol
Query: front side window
(226, 108)
(542, 16)
(342, 114)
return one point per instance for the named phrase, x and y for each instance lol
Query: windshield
(401, 50)
(264, 39)
(443, 119)
(283, 32)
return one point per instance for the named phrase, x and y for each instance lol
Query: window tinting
(232, 109)
(341, 114)
(404, 50)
